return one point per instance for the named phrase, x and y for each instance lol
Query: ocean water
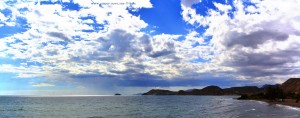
(140, 107)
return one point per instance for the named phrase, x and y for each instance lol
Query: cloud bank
(239, 43)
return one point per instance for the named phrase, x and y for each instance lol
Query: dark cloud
(260, 64)
(256, 59)
(134, 78)
(37, 12)
(167, 49)
(119, 43)
(92, 76)
(146, 80)
(160, 53)
(253, 39)
(126, 72)
(135, 66)
(112, 47)
(145, 42)
(60, 36)
(255, 71)
(52, 52)
(278, 58)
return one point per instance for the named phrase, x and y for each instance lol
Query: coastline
(287, 102)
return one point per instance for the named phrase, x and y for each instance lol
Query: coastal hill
(209, 90)
(291, 85)
(159, 92)
(242, 90)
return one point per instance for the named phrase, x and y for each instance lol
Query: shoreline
(287, 102)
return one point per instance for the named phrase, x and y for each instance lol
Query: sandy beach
(287, 102)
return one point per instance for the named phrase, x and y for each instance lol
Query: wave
(4, 110)
(288, 107)
(250, 110)
(261, 102)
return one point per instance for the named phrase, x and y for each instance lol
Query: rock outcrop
(160, 92)
(291, 85)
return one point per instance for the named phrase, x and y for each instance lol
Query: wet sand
(287, 102)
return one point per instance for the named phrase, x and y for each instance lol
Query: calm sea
(141, 107)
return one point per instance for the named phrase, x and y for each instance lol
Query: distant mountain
(267, 86)
(209, 90)
(291, 85)
(242, 90)
(160, 92)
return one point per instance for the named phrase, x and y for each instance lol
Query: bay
(140, 107)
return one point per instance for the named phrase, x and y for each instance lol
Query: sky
(102, 47)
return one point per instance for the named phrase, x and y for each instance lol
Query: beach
(287, 102)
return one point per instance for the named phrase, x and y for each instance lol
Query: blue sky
(130, 46)
(163, 17)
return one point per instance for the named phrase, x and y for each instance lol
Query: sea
(140, 107)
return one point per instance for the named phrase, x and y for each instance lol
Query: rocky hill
(159, 92)
(242, 90)
(209, 90)
(291, 85)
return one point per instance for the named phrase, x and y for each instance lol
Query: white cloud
(135, 4)
(2, 45)
(222, 7)
(189, 3)
(12, 18)
(2, 17)
(42, 85)
(23, 71)
(120, 50)
(88, 21)
(242, 47)
(2, 5)
(258, 45)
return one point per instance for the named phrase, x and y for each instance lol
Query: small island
(287, 93)
(117, 94)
